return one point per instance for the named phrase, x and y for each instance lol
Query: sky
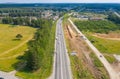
(60, 1)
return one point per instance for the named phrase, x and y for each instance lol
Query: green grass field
(8, 57)
(8, 33)
(106, 45)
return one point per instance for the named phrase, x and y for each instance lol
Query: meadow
(10, 47)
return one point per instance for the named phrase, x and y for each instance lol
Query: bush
(19, 36)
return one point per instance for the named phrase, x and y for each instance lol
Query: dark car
(100, 55)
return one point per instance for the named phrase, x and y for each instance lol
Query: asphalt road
(61, 68)
(110, 70)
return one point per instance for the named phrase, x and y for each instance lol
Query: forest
(23, 21)
(101, 26)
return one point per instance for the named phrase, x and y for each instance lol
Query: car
(100, 55)
(83, 37)
(56, 38)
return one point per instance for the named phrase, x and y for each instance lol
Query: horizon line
(61, 3)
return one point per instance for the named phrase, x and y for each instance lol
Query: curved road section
(61, 67)
(110, 70)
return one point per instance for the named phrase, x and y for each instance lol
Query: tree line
(102, 26)
(39, 55)
(23, 21)
(19, 12)
(28, 11)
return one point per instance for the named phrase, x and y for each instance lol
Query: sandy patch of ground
(78, 45)
(110, 36)
(116, 66)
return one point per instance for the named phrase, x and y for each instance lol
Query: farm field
(10, 47)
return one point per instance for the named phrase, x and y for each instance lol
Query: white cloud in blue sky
(61, 1)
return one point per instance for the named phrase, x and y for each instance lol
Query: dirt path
(106, 38)
(21, 44)
(78, 45)
(14, 56)
(7, 75)
(11, 75)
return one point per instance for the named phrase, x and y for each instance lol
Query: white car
(56, 38)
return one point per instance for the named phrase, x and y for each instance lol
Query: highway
(61, 67)
(110, 70)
